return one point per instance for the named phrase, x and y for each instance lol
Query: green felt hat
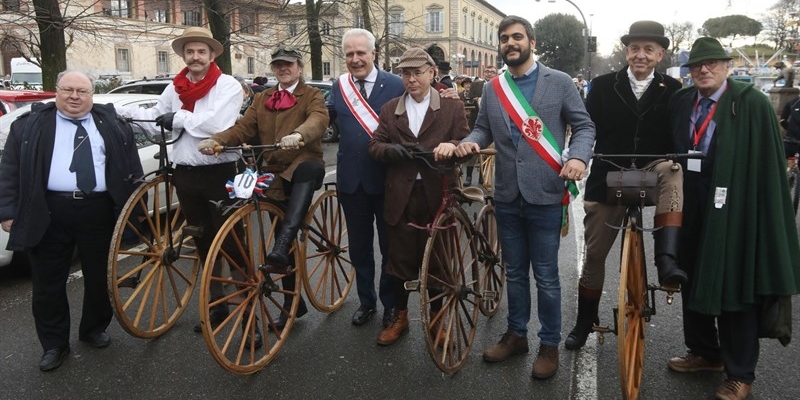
(706, 48)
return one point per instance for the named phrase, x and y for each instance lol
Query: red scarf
(280, 100)
(189, 92)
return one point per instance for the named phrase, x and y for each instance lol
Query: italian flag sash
(358, 105)
(535, 133)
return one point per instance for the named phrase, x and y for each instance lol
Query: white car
(147, 150)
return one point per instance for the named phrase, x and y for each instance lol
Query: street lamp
(458, 58)
(585, 37)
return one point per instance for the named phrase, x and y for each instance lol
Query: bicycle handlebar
(668, 156)
(450, 163)
(151, 139)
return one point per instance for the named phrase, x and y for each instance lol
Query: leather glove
(395, 153)
(292, 141)
(165, 120)
(207, 146)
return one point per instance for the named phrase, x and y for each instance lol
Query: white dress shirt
(639, 87)
(60, 178)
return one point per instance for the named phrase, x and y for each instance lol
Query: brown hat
(646, 30)
(286, 53)
(196, 34)
(415, 58)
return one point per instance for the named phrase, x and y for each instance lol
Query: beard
(524, 55)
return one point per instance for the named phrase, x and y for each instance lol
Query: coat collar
(430, 117)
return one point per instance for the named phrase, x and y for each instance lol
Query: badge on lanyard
(694, 164)
(720, 197)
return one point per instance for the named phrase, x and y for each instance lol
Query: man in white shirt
(200, 102)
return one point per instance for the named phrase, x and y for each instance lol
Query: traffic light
(591, 44)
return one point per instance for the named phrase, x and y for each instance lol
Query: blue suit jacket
(519, 169)
(354, 166)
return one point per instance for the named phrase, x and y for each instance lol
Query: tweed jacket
(309, 117)
(443, 122)
(25, 168)
(354, 166)
(625, 125)
(519, 170)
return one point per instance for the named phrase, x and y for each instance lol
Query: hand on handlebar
(165, 120)
(466, 148)
(444, 151)
(395, 153)
(209, 147)
(292, 141)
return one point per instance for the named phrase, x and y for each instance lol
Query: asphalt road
(328, 358)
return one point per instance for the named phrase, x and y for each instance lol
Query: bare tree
(780, 24)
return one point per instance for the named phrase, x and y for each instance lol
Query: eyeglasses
(709, 64)
(68, 92)
(415, 74)
(490, 71)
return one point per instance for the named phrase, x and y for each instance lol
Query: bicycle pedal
(193, 230)
(411, 286)
(489, 295)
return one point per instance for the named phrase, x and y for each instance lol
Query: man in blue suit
(357, 98)
(525, 112)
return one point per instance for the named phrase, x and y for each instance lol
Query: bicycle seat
(471, 194)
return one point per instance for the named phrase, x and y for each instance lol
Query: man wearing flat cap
(199, 102)
(629, 110)
(417, 121)
(739, 241)
(294, 115)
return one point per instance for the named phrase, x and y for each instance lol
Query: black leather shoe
(301, 310)
(362, 315)
(53, 358)
(97, 339)
(217, 314)
(387, 317)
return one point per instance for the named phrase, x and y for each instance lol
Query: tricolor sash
(535, 133)
(358, 105)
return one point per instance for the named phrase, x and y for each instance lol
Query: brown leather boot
(546, 363)
(439, 334)
(509, 345)
(398, 327)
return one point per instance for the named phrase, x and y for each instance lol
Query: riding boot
(588, 303)
(299, 201)
(666, 254)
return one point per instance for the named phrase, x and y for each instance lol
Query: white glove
(207, 146)
(292, 141)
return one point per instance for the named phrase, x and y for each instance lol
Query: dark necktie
(705, 107)
(362, 89)
(82, 162)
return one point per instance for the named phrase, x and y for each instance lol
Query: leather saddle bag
(632, 188)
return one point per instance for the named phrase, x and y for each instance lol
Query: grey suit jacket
(519, 169)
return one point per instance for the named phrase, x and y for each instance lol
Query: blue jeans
(529, 236)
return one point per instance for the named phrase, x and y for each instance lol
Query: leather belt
(77, 195)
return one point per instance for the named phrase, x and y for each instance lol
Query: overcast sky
(610, 19)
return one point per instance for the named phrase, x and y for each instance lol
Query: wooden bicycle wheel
(630, 317)
(329, 273)
(234, 280)
(150, 279)
(492, 271)
(449, 298)
(487, 171)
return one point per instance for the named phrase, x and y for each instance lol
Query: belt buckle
(78, 195)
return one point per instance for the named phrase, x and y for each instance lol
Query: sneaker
(508, 346)
(694, 363)
(732, 389)
(546, 363)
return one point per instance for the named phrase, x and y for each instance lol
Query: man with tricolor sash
(357, 98)
(525, 113)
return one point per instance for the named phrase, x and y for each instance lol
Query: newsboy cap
(196, 34)
(286, 53)
(706, 48)
(646, 30)
(415, 58)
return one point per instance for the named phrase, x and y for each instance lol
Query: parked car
(154, 86)
(13, 99)
(332, 133)
(147, 153)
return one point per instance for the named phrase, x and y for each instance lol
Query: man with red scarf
(199, 102)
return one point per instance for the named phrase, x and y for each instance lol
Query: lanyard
(698, 134)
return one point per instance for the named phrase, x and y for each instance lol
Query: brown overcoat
(444, 122)
(309, 117)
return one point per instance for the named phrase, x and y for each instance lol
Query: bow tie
(280, 100)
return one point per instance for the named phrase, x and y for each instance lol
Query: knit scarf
(189, 92)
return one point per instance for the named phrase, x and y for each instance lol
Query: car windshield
(29, 77)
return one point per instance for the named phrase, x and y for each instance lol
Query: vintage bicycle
(237, 276)
(462, 269)
(636, 300)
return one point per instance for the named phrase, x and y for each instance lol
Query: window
(156, 11)
(11, 5)
(251, 65)
(326, 68)
(191, 18)
(464, 27)
(292, 29)
(325, 29)
(246, 22)
(118, 8)
(397, 24)
(480, 31)
(123, 60)
(162, 62)
(358, 20)
(473, 27)
(434, 20)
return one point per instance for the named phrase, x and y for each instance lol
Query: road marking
(585, 373)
